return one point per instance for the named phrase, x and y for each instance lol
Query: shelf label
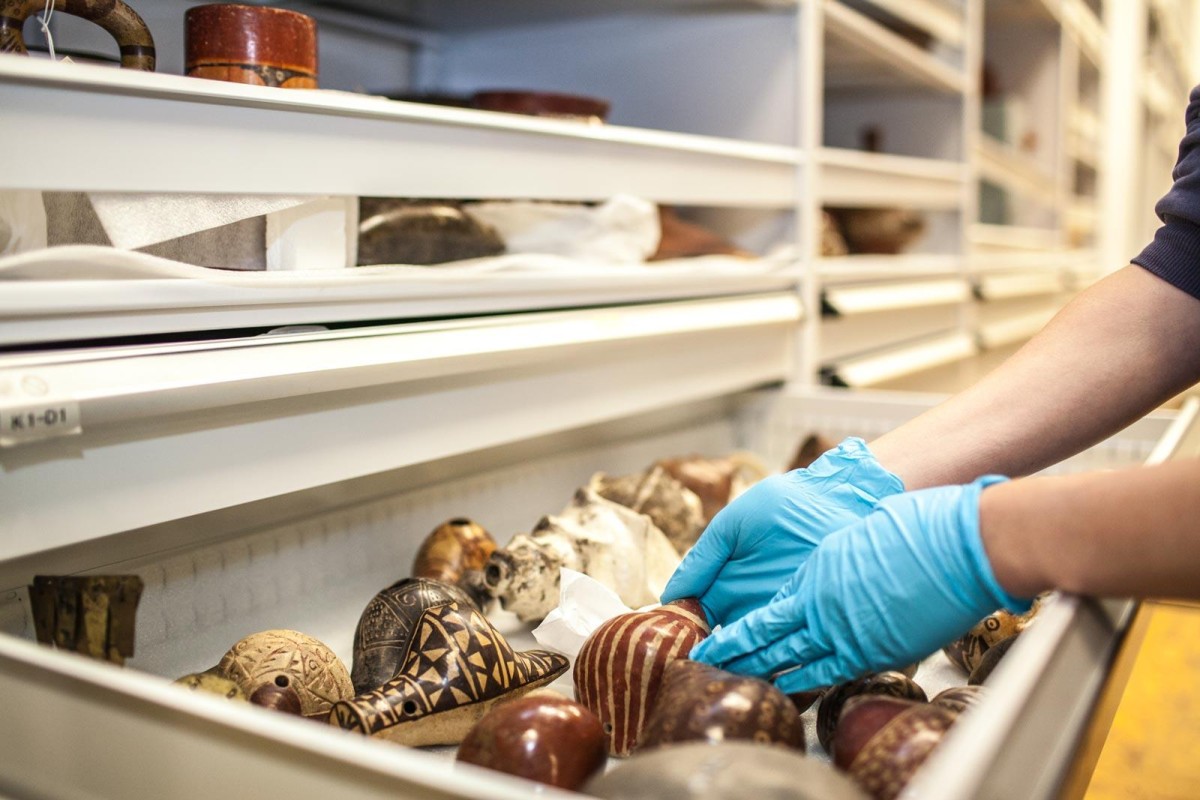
(36, 421)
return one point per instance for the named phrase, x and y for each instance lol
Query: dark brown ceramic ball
(891, 684)
(959, 698)
(883, 741)
(542, 737)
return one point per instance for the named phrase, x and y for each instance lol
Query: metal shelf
(861, 179)
(166, 133)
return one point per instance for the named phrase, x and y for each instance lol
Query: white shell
(609, 542)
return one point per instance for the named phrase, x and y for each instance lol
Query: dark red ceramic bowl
(543, 104)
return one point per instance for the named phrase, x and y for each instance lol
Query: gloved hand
(884, 591)
(755, 543)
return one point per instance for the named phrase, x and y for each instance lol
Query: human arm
(925, 566)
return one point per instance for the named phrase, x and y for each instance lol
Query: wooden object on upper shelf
(251, 44)
(121, 21)
(91, 614)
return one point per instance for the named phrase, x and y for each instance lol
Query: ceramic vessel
(675, 510)
(212, 683)
(122, 22)
(729, 771)
(421, 232)
(990, 660)
(308, 666)
(605, 540)
(278, 696)
(386, 627)
(716, 481)
(698, 702)
(457, 667)
(251, 44)
(959, 698)
(456, 552)
(543, 104)
(541, 737)
(891, 684)
(969, 650)
(620, 667)
(886, 231)
(882, 761)
(813, 447)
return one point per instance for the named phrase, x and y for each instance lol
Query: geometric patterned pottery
(122, 22)
(883, 741)
(386, 627)
(541, 737)
(728, 771)
(620, 667)
(457, 667)
(890, 684)
(251, 44)
(698, 702)
(288, 659)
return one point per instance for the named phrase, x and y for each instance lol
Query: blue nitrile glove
(755, 543)
(884, 591)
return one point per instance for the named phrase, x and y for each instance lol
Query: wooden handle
(114, 16)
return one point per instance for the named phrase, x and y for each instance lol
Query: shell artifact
(122, 23)
(310, 668)
(386, 627)
(456, 550)
(541, 737)
(621, 665)
(883, 741)
(698, 702)
(674, 509)
(729, 771)
(212, 683)
(613, 544)
(458, 666)
(891, 684)
(967, 651)
(716, 481)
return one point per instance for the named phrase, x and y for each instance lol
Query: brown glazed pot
(310, 668)
(620, 667)
(251, 44)
(698, 702)
(386, 627)
(114, 16)
(883, 741)
(541, 737)
(891, 684)
(456, 552)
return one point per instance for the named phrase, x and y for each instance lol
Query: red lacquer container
(251, 44)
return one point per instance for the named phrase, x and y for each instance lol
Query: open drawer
(312, 559)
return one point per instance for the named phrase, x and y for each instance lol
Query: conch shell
(607, 541)
(674, 509)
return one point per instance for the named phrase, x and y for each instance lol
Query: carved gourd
(882, 741)
(891, 684)
(604, 540)
(541, 737)
(458, 666)
(456, 552)
(674, 509)
(114, 16)
(386, 627)
(306, 665)
(698, 702)
(620, 667)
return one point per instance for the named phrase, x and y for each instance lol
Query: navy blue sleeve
(1174, 255)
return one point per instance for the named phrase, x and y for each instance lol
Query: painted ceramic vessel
(386, 627)
(605, 540)
(698, 702)
(883, 741)
(621, 665)
(122, 22)
(456, 552)
(990, 660)
(729, 771)
(959, 698)
(674, 509)
(458, 666)
(891, 684)
(251, 44)
(969, 650)
(284, 659)
(542, 737)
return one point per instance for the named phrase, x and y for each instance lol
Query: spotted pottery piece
(698, 702)
(306, 665)
(607, 541)
(251, 44)
(541, 737)
(891, 684)
(386, 627)
(728, 771)
(118, 19)
(457, 667)
(620, 667)
(674, 509)
(883, 761)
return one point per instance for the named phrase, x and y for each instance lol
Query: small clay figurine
(457, 668)
(698, 702)
(386, 627)
(90, 614)
(891, 684)
(621, 665)
(456, 552)
(883, 741)
(304, 664)
(542, 737)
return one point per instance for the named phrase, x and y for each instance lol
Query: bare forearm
(1113, 354)
(1133, 532)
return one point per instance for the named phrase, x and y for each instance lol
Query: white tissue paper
(22, 222)
(133, 221)
(623, 230)
(584, 604)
